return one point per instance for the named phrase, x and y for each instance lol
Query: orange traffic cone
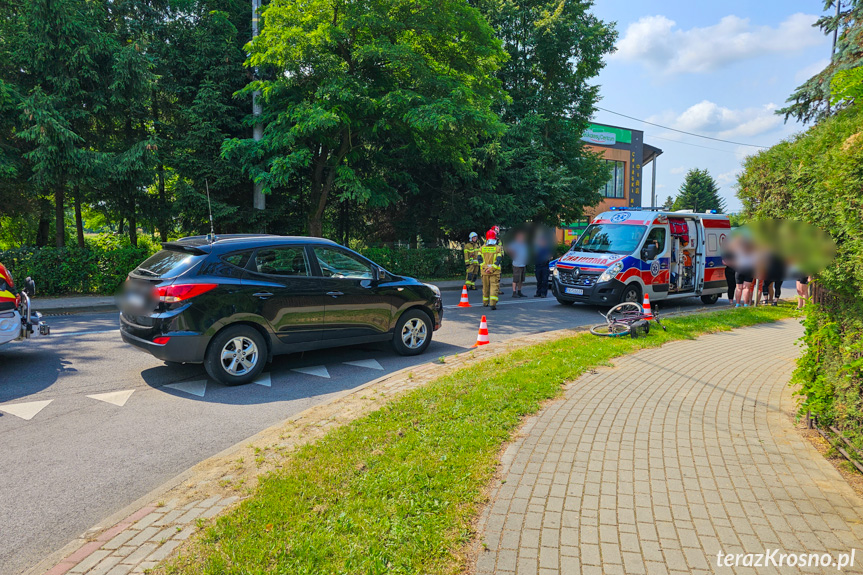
(646, 306)
(464, 301)
(482, 336)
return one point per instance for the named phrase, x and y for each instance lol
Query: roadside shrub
(72, 270)
(816, 177)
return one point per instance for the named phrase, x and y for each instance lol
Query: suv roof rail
(226, 237)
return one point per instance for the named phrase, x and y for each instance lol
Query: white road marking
(479, 305)
(264, 379)
(198, 387)
(318, 370)
(118, 398)
(369, 363)
(27, 410)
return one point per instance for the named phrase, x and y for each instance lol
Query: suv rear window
(168, 263)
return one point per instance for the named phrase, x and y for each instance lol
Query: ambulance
(628, 252)
(17, 320)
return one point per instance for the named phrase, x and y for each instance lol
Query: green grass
(397, 490)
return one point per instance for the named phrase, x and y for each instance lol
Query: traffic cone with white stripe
(482, 336)
(646, 306)
(464, 301)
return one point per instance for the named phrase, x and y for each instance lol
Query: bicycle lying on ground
(627, 318)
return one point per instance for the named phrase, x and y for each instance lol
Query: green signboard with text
(606, 135)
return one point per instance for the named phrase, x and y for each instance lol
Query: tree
(61, 62)
(348, 84)
(555, 50)
(811, 100)
(699, 192)
(669, 203)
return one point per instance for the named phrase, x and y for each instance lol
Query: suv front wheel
(413, 333)
(236, 355)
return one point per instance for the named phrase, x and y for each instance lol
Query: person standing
(518, 252)
(471, 251)
(541, 258)
(490, 258)
(802, 290)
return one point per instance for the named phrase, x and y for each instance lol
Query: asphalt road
(75, 460)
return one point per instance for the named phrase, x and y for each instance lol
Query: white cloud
(709, 118)
(678, 170)
(727, 178)
(657, 42)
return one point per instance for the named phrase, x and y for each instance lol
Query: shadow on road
(25, 370)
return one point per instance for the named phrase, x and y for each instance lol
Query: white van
(627, 252)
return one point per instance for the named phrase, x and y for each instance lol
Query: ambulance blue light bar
(642, 209)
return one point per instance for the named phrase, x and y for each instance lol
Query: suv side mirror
(380, 274)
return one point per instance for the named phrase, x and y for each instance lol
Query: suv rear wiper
(146, 271)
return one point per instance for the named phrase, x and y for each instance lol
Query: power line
(655, 137)
(682, 131)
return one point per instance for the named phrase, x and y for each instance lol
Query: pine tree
(811, 100)
(699, 192)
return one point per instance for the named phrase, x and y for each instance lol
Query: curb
(64, 559)
(60, 310)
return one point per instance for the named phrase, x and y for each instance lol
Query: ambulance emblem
(654, 268)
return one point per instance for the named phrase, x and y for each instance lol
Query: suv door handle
(335, 293)
(263, 294)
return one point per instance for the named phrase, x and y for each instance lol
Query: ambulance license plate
(573, 291)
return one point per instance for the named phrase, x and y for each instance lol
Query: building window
(617, 174)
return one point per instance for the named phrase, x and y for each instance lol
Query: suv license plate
(573, 291)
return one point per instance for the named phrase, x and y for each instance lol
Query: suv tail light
(181, 292)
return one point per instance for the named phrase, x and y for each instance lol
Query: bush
(816, 178)
(73, 270)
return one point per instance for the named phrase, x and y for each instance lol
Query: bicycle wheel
(625, 311)
(610, 329)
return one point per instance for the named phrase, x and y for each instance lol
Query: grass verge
(397, 491)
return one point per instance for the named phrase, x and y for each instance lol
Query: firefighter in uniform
(490, 258)
(471, 251)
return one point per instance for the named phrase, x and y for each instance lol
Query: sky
(719, 69)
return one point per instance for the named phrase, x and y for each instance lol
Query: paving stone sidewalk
(659, 463)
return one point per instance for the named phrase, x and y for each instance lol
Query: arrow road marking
(264, 379)
(118, 398)
(25, 411)
(318, 370)
(198, 388)
(369, 363)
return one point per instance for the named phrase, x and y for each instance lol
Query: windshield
(610, 238)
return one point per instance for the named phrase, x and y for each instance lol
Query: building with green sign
(626, 154)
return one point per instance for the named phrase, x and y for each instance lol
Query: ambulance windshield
(610, 238)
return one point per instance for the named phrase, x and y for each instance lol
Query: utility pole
(835, 39)
(653, 185)
(259, 201)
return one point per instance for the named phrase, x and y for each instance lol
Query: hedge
(816, 178)
(73, 270)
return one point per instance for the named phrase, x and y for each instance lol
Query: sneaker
(737, 305)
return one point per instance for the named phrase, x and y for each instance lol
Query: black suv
(234, 303)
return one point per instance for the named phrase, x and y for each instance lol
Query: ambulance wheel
(564, 302)
(632, 293)
(710, 299)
